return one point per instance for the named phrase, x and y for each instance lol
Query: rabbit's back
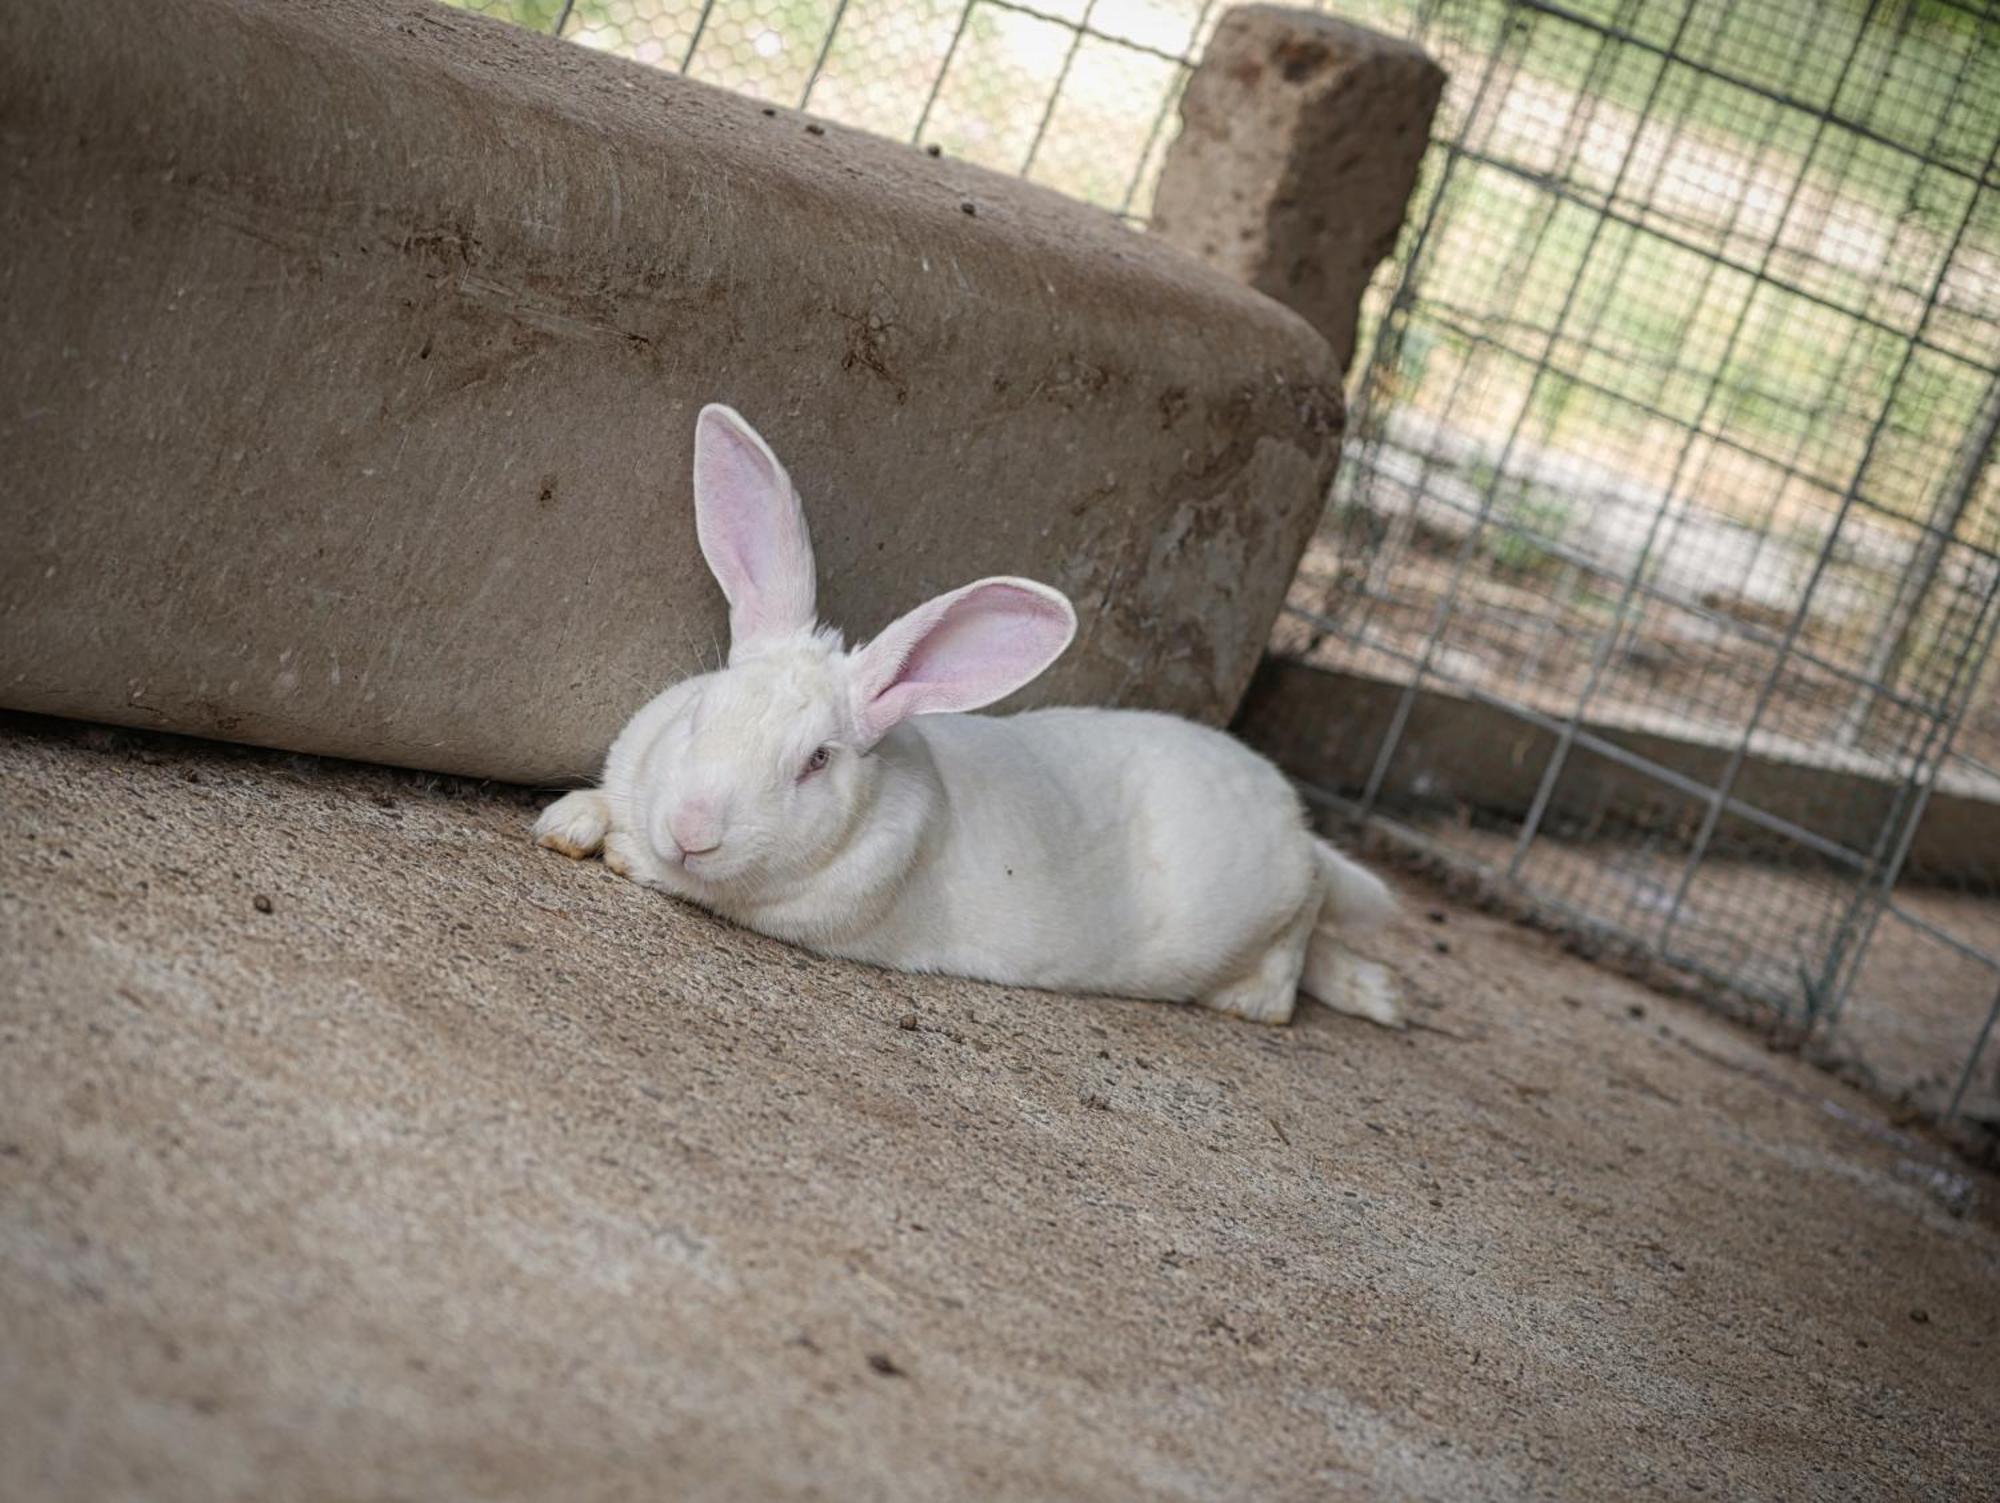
(1104, 850)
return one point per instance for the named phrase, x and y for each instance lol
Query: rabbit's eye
(816, 761)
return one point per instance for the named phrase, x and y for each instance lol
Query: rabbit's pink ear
(752, 529)
(959, 652)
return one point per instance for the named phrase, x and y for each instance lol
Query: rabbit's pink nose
(696, 827)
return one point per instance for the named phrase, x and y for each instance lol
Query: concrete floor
(350, 1147)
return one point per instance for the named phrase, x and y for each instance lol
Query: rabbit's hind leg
(1347, 983)
(1268, 991)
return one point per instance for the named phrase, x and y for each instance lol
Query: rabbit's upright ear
(752, 529)
(959, 652)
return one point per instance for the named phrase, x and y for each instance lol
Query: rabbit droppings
(842, 800)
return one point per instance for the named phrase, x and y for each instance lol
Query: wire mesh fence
(1676, 447)
(1672, 450)
(1078, 95)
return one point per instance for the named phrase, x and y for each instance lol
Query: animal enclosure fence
(1674, 457)
(1670, 477)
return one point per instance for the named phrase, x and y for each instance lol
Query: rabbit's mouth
(712, 871)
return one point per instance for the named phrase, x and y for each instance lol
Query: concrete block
(350, 352)
(1300, 140)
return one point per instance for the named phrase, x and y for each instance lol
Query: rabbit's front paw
(575, 824)
(616, 857)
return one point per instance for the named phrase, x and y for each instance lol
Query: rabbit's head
(755, 776)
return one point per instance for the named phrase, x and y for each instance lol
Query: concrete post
(1300, 140)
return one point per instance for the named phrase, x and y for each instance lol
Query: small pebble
(1442, 946)
(769, 111)
(907, 1022)
(884, 1364)
(968, 207)
(1921, 1317)
(934, 150)
(261, 903)
(1436, 915)
(815, 130)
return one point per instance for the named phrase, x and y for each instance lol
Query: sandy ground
(1912, 1017)
(350, 1147)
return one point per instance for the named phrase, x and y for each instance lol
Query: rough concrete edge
(546, 72)
(1958, 827)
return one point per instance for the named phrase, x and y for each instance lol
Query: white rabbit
(836, 798)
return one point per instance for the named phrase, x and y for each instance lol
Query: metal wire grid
(1682, 421)
(1078, 95)
(1679, 414)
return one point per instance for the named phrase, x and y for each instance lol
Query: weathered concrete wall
(1327, 727)
(350, 352)
(1300, 140)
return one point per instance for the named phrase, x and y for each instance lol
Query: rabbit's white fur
(832, 798)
